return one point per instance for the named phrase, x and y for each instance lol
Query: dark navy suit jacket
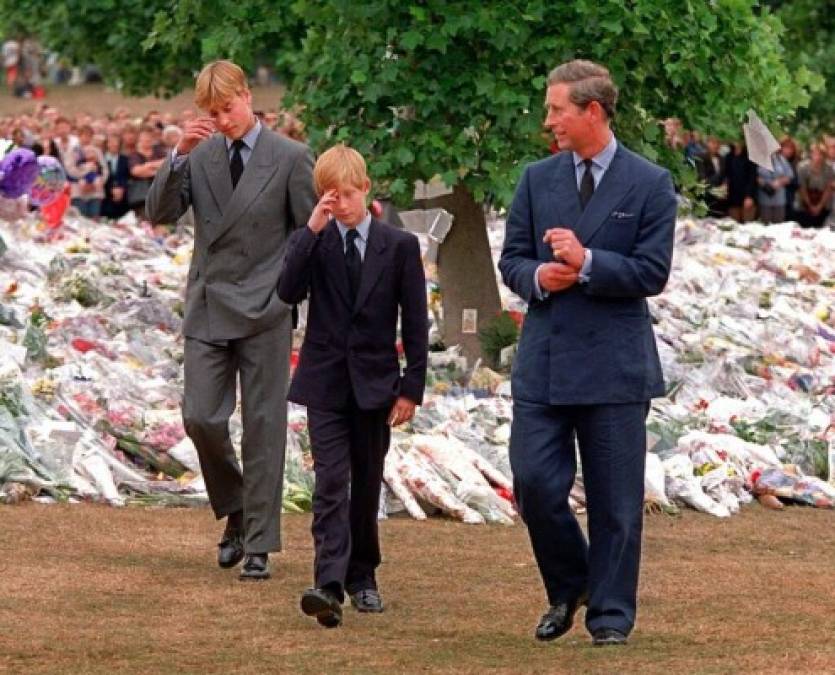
(591, 343)
(353, 348)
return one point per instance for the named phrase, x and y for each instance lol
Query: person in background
(115, 203)
(171, 135)
(829, 142)
(694, 147)
(64, 144)
(814, 178)
(11, 62)
(711, 171)
(788, 149)
(771, 186)
(130, 133)
(741, 181)
(291, 126)
(89, 172)
(143, 165)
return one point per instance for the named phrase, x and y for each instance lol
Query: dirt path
(99, 590)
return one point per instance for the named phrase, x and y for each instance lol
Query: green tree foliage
(154, 46)
(455, 88)
(810, 43)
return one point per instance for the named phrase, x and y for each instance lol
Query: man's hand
(322, 212)
(402, 411)
(117, 193)
(566, 247)
(195, 131)
(554, 277)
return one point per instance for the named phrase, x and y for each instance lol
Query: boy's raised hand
(195, 131)
(322, 212)
(402, 411)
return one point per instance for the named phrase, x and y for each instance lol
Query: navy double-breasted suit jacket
(592, 343)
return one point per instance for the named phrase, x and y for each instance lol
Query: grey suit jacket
(239, 236)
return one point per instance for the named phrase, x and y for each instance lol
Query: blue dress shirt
(362, 230)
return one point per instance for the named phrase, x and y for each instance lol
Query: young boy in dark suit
(360, 274)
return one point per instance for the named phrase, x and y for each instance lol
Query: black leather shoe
(559, 618)
(607, 637)
(256, 567)
(367, 600)
(323, 605)
(230, 550)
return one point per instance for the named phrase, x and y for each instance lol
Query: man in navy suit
(589, 237)
(360, 274)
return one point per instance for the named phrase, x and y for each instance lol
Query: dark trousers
(211, 371)
(349, 447)
(612, 442)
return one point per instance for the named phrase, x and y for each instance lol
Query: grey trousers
(211, 370)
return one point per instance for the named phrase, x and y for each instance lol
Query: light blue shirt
(362, 230)
(599, 165)
(249, 139)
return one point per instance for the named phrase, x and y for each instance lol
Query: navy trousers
(612, 443)
(349, 448)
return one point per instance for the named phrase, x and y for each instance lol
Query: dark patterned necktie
(236, 164)
(353, 262)
(586, 184)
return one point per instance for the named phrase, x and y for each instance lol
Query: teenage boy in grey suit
(249, 188)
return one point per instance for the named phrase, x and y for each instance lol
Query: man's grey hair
(588, 81)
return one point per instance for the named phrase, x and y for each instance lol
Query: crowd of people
(110, 160)
(801, 186)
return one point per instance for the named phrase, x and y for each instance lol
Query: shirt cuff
(538, 292)
(583, 276)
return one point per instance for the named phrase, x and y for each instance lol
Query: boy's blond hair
(217, 83)
(339, 165)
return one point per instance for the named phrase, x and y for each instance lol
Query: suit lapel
(335, 261)
(373, 263)
(217, 172)
(258, 170)
(611, 191)
(566, 197)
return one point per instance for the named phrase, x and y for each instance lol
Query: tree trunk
(465, 269)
